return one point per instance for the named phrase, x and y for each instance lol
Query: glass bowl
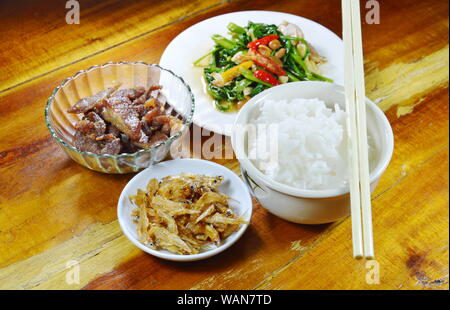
(61, 124)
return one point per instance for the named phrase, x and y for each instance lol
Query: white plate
(196, 41)
(232, 186)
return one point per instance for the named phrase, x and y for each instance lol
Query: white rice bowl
(306, 145)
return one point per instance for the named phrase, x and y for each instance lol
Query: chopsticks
(359, 180)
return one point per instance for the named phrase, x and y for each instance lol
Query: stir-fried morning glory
(255, 58)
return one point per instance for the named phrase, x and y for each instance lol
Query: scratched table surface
(54, 211)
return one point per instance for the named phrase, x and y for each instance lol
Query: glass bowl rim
(169, 141)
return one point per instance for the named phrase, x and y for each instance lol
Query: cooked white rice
(310, 140)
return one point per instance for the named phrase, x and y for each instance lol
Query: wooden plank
(397, 85)
(44, 41)
(411, 235)
(395, 39)
(417, 136)
(103, 252)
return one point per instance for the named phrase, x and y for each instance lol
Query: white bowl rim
(190, 257)
(383, 161)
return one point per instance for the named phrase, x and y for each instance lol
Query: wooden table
(54, 211)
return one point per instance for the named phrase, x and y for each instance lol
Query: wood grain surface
(54, 211)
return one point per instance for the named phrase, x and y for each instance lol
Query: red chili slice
(266, 77)
(265, 62)
(264, 41)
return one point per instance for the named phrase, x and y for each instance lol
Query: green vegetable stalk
(236, 29)
(226, 43)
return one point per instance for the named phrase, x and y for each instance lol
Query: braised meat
(93, 102)
(120, 111)
(92, 136)
(123, 120)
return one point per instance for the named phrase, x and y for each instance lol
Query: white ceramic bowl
(232, 186)
(300, 205)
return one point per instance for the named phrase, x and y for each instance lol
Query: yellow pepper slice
(234, 72)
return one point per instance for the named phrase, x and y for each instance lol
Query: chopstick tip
(358, 256)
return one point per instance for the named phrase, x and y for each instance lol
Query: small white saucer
(232, 186)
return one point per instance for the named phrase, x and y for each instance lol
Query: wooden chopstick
(359, 181)
(364, 178)
(355, 199)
